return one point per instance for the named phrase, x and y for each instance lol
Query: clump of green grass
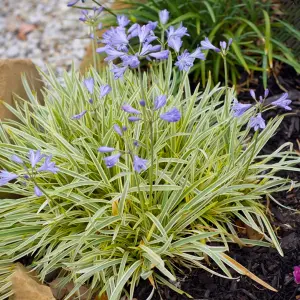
(109, 228)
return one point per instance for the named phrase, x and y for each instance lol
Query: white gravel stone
(56, 40)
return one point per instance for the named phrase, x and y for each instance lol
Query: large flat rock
(11, 82)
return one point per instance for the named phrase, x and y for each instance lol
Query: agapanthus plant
(152, 176)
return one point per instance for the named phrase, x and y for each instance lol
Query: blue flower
(143, 103)
(104, 90)
(239, 108)
(175, 43)
(122, 21)
(135, 143)
(73, 2)
(144, 32)
(283, 102)
(111, 52)
(37, 191)
(129, 109)
(160, 55)
(252, 93)
(79, 116)
(163, 16)
(84, 15)
(134, 119)
(266, 94)
(130, 60)
(185, 61)
(35, 157)
(17, 159)
(6, 176)
(173, 115)
(147, 48)
(104, 149)
(118, 130)
(117, 38)
(89, 84)
(48, 165)
(118, 71)
(160, 101)
(257, 122)
(207, 45)
(133, 30)
(198, 54)
(139, 164)
(112, 160)
(180, 31)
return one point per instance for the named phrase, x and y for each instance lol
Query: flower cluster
(34, 157)
(90, 85)
(139, 164)
(116, 45)
(257, 122)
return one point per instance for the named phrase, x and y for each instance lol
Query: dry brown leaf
(253, 234)
(24, 29)
(115, 209)
(246, 272)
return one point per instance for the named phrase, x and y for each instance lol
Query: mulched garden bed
(263, 262)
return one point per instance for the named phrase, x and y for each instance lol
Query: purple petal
(89, 84)
(104, 149)
(283, 102)
(17, 159)
(134, 119)
(239, 108)
(173, 115)
(129, 109)
(79, 116)
(163, 16)
(112, 160)
(71, 3)
(104, 90)
(37, 191)
(122, 21)
(6, 176)
(139, 164)
(160, 101)
(160, 55)
(207, 45)
(118, 130)
(35, 157)
(252, 93)
(257, 122)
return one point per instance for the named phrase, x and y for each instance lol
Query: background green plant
(256, 31)
(207, 172)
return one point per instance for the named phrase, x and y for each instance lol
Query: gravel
(55, 36)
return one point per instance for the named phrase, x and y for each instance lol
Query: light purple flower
(111, 52)
(37, 191)
(104, 149)
(257, 122)
(198, 54)
(17, 159)
(239, 108)
(104, 90)
(223, 45)
(118, 71)
(185, 61)
(124, 128)
(144, 32)
(266, 94)
(180, 31)
(283, 102)
(135, 143)
(175, 43)
(112, 160)
(173, 115)
(122, 21)
(79, 116)
(118, 130)
(160, 55)
(152, 24)
(84, 15)
(35, 157)
(296, 274)
(163, 16)
(89, 84)
(134, 119)
(48, 165)
(139, 164)
(6, 176)
(130, 60)
(143, 103)
(252, 93)
(207, 45)
(147, 48)
(71, 3)
(129, 109)
(133, 31)
(160, 101)
(116, 37)
(229, 42)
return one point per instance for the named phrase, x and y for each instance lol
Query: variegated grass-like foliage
(207, 173)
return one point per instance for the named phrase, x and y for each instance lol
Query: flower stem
(225, 71)
(94, 47)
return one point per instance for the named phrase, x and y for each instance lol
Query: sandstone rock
(11, 83)
(26, 286)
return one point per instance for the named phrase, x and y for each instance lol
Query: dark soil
(263, 262)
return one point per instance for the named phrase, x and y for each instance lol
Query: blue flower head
(257, 122)
(139, 164)
(6, 176)
(48, 165)
(112, 160)
(173, 115)
(164, 16)
(89, 84)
